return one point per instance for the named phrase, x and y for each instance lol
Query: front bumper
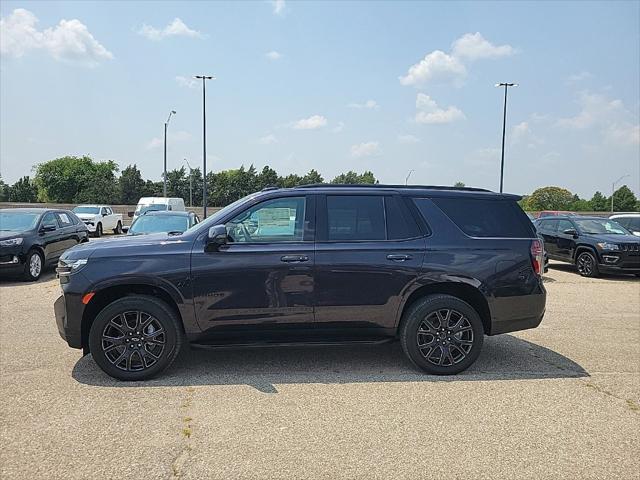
(11, 258)
(619, 262)
(90, 226)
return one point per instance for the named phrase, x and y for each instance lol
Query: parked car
(554, 213)
(630, 221)
(435, 267)
(33, 238)
(99, 218)
(157, 204)
(593, 244)
(163, 222)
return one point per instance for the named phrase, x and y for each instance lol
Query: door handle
(399, 258)
(294, 258)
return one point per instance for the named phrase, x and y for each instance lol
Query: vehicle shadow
(504, 357)
(620, 277)
(16, 281)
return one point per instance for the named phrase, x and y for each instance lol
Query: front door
(369, 249)
(52, 237)
(263, 276)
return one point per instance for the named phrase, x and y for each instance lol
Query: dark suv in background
(593, 244)
(435, 267)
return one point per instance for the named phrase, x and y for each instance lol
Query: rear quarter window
(486, 218)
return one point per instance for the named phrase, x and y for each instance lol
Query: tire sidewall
(27, 266)
(158, 309)
(118, 229)
(414, 318)
(594, 270)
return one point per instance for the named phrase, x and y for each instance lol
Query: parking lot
(560, 401)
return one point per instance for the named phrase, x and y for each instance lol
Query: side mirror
(104, 214)
(571, 231)
(130, 214)
(217, 235)
(47, 228)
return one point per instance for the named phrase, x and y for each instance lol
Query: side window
(49, 219)
(278, 220)
(103, 211)
(564, 225)
(551, 226)
(64, 220)
(400, 223)
(355, 217)
(108, 210)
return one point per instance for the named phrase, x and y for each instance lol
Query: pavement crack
(180, 463)
(628, 403)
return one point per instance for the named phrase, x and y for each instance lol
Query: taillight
(537, 256)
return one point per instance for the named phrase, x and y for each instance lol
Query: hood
(6, 235)
(603, 237)
(130, 245)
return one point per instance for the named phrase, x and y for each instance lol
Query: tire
(441, 354)
(33, 266)
(98, 232)
(118, 229)
(135, 354)
(587, 264)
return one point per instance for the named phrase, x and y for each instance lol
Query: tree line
(83, 180)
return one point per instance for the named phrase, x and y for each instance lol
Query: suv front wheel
(441, 334)
(135, 337)
(587, 264)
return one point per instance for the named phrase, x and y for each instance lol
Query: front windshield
(91, 210)
(18, 221)
(158, 207)
(159, 223)
(597, 226)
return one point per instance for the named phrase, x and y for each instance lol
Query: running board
(307, 343)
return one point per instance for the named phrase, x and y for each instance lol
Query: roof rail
(266, 189)
(379, 185)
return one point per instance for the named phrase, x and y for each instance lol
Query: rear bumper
(520, 312)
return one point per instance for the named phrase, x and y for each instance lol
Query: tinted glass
(64, 220)
(598, 226)
(549, 226)
(400, 223)
(18, 222)
(49, 219)
(564, 225)
(279, 220)
(151, 208)
(355, 217)
(634, 224)
(487, 218)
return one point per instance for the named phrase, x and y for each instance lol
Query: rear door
(51, 241)
(565, 243)
(548, 230)
(68, 233)
(368, 249)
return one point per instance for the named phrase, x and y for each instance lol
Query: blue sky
(336, 86)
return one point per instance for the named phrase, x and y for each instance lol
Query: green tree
(102, 185)
(312, 177)
(549, 198)
(459, 184)
(352, 178)
(4, 191)
(624, 200)
(131, 186)
(23, 191)
(268, 177)
(291, 180)
(599, 203)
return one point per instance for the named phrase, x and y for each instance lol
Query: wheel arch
(581, 248)
(107, 294)
(464, 291)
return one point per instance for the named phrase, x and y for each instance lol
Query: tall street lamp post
(166, 124)
(204, 140)
(190, 183)
(504, 127)
(613, 188)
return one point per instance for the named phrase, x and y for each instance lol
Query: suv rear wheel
(135, 338)
(587, 264)
(441, 334)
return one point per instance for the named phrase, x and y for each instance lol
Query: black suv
(435, 267)
(593, 244)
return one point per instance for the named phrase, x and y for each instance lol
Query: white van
(146, 204)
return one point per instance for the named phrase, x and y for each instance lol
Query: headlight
(70, 266)
(12, 242)
(607, 246)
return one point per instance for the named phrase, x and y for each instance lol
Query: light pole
(613, 187)
(204, 141)
(190, 183)
(406, 180)
(504, 127)
(164, 185)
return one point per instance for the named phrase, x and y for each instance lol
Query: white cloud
(595, 109)
(179, 136)
(177, 28)
(273, 55)
(578, 77)
(187, 82)
(268, 140)
(278, 7)
(439, 66)
(623, 134)
(311, 123)
(408, 139)
(430, 112)
(436, 65)
(338, 128)
(70, 40)
(473, 46)
(521, 134)
(366, 149)
(369, 104)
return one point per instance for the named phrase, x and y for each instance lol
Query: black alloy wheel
(441, 334)
(135, 338)
(587, 264)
